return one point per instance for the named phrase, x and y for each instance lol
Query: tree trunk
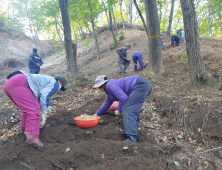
(198, 75)
(58, 31)
(209, 15)
(131, 12)
(106, 12)
(87, 26)
(30, 26)
(216, 33)
(72, 66)
(94, 31)
(155, 56)
(122, 13)
(115, 22)
(160, 10)
(111, 27)
(221, 29)
(41, 46)
(171, 17)
(141, 16)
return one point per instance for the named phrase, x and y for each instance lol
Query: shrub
(87, 42)
(121, 37)
(112, 46)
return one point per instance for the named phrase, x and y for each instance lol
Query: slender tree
(121, 1)
(209, 19)
(155, 56)
(171, 18)
(141, 16)
(198, 75)
(72, 66)
(111, 27)
(115, 21)
(93, 27)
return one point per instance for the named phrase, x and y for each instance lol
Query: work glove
(117, 113)
(95, 114)
(43, 120)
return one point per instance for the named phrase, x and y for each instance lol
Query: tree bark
(111, 27)
(171, 17)
(155, 63)
(160, 10)
(122, 13)
(199, 77)
(93, 27)
(208, 23)
(115, 22)
(141, 16)
(106, 12)
(58, 31)
(131, 12)
(72, 66)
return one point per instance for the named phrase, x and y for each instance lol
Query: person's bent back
(35, 62)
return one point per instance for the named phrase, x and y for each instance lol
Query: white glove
(44, 116)
(117, 113)
(95, 114)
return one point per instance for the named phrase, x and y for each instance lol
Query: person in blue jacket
(35, 62)
(173, 39)
(131, 92)
(122, 58)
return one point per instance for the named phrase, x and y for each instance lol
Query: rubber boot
(132, 138)
(171, 46)
(34, 139)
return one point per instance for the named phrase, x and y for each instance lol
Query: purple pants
(17, 89)
(137, 56)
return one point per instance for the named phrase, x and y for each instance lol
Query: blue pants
(131, 109)
(34, 71)
(122, 67)
(175, 38)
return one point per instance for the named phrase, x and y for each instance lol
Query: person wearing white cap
(131, 92)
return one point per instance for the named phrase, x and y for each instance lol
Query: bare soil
(173, 110)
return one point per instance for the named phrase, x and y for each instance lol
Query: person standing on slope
(122, 58)
(35, 62)
(131, 92)
(32, 93)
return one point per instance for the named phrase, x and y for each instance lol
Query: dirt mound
(94, 150)
(19, 47)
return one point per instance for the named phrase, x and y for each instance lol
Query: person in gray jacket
(122, 58)
(32, 93)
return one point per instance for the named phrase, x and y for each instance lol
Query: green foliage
(184, 59)
(121, 37)
(186, 83)
(87, 41)
(175, 71)
(151, 76)
(58, 47)
(112, 47)
(86, 75)
(76, 83)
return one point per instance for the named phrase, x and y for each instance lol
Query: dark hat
(62, 80)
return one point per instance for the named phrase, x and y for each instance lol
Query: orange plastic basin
(87, 123)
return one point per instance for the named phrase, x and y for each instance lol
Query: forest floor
(173, 112)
